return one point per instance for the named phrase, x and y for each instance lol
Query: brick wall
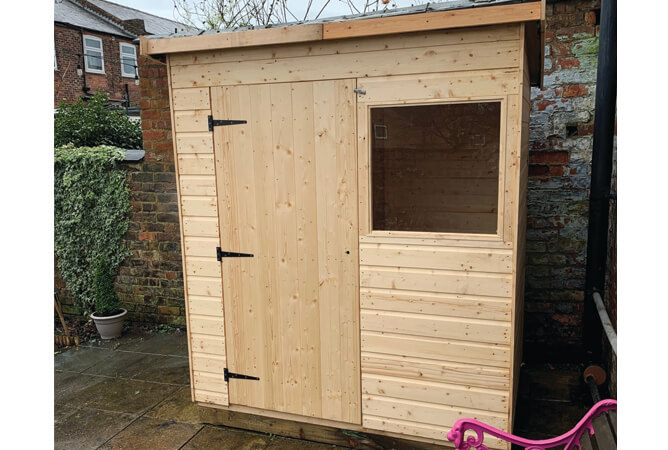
(68, 86)
(561, 136)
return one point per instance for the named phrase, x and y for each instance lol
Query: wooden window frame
(125, 74)
(366, 229)
(86, 55)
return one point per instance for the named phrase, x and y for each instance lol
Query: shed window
(94, 56)
(128, 60)
(435, 168)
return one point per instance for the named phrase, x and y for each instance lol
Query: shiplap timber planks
(434, 392)
(435, 303)
(451, 58)
(490, 331)
(492, 33)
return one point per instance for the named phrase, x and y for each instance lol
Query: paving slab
(281, 443)
(121, 395)
(148, 433)
(79, 359)
(119, 365)
(164, 369)
(175, 344)
(89, 428)
(129, 336)
(180, 407)
(69, 385)
(221, 438)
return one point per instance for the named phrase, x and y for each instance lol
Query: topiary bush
(89, 123)
(106, 299)
(92, 201)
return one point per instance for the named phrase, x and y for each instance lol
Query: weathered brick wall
(67, 85)
(561, 136)
(150, 282)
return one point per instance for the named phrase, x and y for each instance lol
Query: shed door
(287, 189)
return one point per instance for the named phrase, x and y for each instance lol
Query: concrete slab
(221, 438)
(121, 395)
(179, 407)
(89, 428)
(175, 344)
(79, 359)
(119, 365)
(69, 385)
(129, 336)
(147, 433)
(164, 369)
(281, 443)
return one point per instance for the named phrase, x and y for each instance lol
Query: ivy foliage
(106, 299)
(90, 123)
(91, 200)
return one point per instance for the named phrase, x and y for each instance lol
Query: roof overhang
(531, 12)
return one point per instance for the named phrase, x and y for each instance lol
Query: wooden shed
(352, 201)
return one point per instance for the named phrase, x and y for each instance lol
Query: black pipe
(85, 88)
(601, 175)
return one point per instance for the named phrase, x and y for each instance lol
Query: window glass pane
(128, 66)
(94, 60)
(94, 43)
(128, 50)
(435, 168)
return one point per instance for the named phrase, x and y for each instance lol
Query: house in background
(94, 49)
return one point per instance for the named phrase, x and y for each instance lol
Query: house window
(128, 60)
(94, 57)
(435, 167)
(55, 60)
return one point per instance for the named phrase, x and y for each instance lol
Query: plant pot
(109, 327)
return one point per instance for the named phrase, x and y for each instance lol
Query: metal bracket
(227, 375)
(359, 91)
(217, 122)
(220, 254)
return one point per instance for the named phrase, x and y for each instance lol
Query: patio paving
(133, 393)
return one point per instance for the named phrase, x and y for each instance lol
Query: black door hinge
(227, 374)
(221, 254)
(216, 123)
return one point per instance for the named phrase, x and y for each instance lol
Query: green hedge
(92, 201)
(89, 123)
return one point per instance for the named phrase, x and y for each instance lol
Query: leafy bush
(92, 200)
(106, 299)
(90, 123)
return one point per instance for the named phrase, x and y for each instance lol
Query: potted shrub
(108, 315)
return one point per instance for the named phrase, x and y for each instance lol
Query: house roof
(79, 14)
(70, 13)
(153, 24)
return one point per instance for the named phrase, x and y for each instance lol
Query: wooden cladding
(397, 330)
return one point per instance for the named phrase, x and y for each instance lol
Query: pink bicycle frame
(570, 440)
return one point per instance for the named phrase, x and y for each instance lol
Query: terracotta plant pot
(109, 327)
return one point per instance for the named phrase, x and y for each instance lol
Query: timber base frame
(352, 436)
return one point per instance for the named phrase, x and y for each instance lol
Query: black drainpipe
(82, 59)
(601, 175)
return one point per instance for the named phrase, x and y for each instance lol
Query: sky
(165, 8)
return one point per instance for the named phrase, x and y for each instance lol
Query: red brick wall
(67, 85)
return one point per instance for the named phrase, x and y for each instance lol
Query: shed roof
(432, 16)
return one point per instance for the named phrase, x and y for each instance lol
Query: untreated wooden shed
(353, 200)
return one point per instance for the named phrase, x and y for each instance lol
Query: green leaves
(90, 123)
(92, 200)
